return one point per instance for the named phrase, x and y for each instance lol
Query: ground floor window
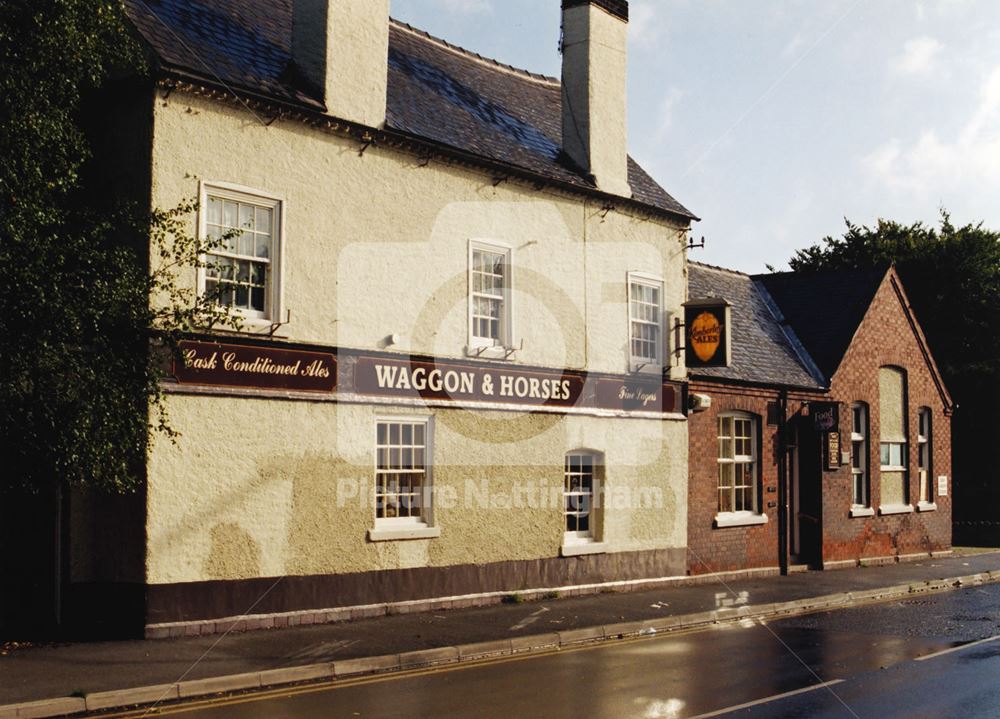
(402, 471)
(893, 473)
(580, 482)
(924, 455)
(737, 463)
(859, 455)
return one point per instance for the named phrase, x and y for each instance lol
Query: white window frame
(741, 517)
(277, 204)
(925, 460)
(483, 346)
(578, 542)
(901, 441)
(395, 528)
(860, 448)
(643, 364)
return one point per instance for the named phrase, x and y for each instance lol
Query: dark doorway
(808, 494)
(31, 563)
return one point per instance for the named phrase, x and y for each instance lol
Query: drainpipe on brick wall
(783, 481)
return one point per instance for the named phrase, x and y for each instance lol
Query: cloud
(933, 167)
(665, 112)
(793, 45)
(918, 56)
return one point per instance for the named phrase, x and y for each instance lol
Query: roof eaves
(736, 381)
(314, 114)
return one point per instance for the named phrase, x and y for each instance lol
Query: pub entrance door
(806, 499)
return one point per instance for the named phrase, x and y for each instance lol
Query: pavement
(58, 679)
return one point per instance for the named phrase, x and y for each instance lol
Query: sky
(774, 120)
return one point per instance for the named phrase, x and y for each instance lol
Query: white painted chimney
(341, 47)
(593, 90)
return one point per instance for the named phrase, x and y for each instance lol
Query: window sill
(575, 549)
(895, 509)
(388, 534)
(493, 353)
(862, 512)
(926, 506)
(738, 519)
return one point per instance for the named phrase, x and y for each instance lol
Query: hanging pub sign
(707, 335)
(232, 365)
(826, 417)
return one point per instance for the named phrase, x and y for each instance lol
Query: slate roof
(436, 92)
(824, 309)
(761, 351)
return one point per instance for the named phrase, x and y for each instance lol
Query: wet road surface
(868, 651)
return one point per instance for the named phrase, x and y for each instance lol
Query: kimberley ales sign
(248, 366)
(707, 333)
(429, 380)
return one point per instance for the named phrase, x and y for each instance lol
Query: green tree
(952, 278)
(80, 396)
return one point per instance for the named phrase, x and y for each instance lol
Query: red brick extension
(887, 335)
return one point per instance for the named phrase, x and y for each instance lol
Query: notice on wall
(231, 365)
(832, 450)
(942, 486)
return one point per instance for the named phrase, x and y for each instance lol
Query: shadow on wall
(233, 553)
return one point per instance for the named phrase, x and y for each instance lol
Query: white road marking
(530, 619)
(766, 700)
(957, 649)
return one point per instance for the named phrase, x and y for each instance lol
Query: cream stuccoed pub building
(457, 376)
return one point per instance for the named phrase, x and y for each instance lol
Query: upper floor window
(242, 272)
(489, 296)
(859, 455)
(892, 437)
(645, 323)
(924, 445)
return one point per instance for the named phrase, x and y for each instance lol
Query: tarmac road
(869, 653)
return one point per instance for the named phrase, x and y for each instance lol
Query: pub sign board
(457, 382)
(428, 379)
(232, 365)
(707, 333)
(826, 417)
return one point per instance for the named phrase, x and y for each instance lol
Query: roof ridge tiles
(721, 269)
(472, 55)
